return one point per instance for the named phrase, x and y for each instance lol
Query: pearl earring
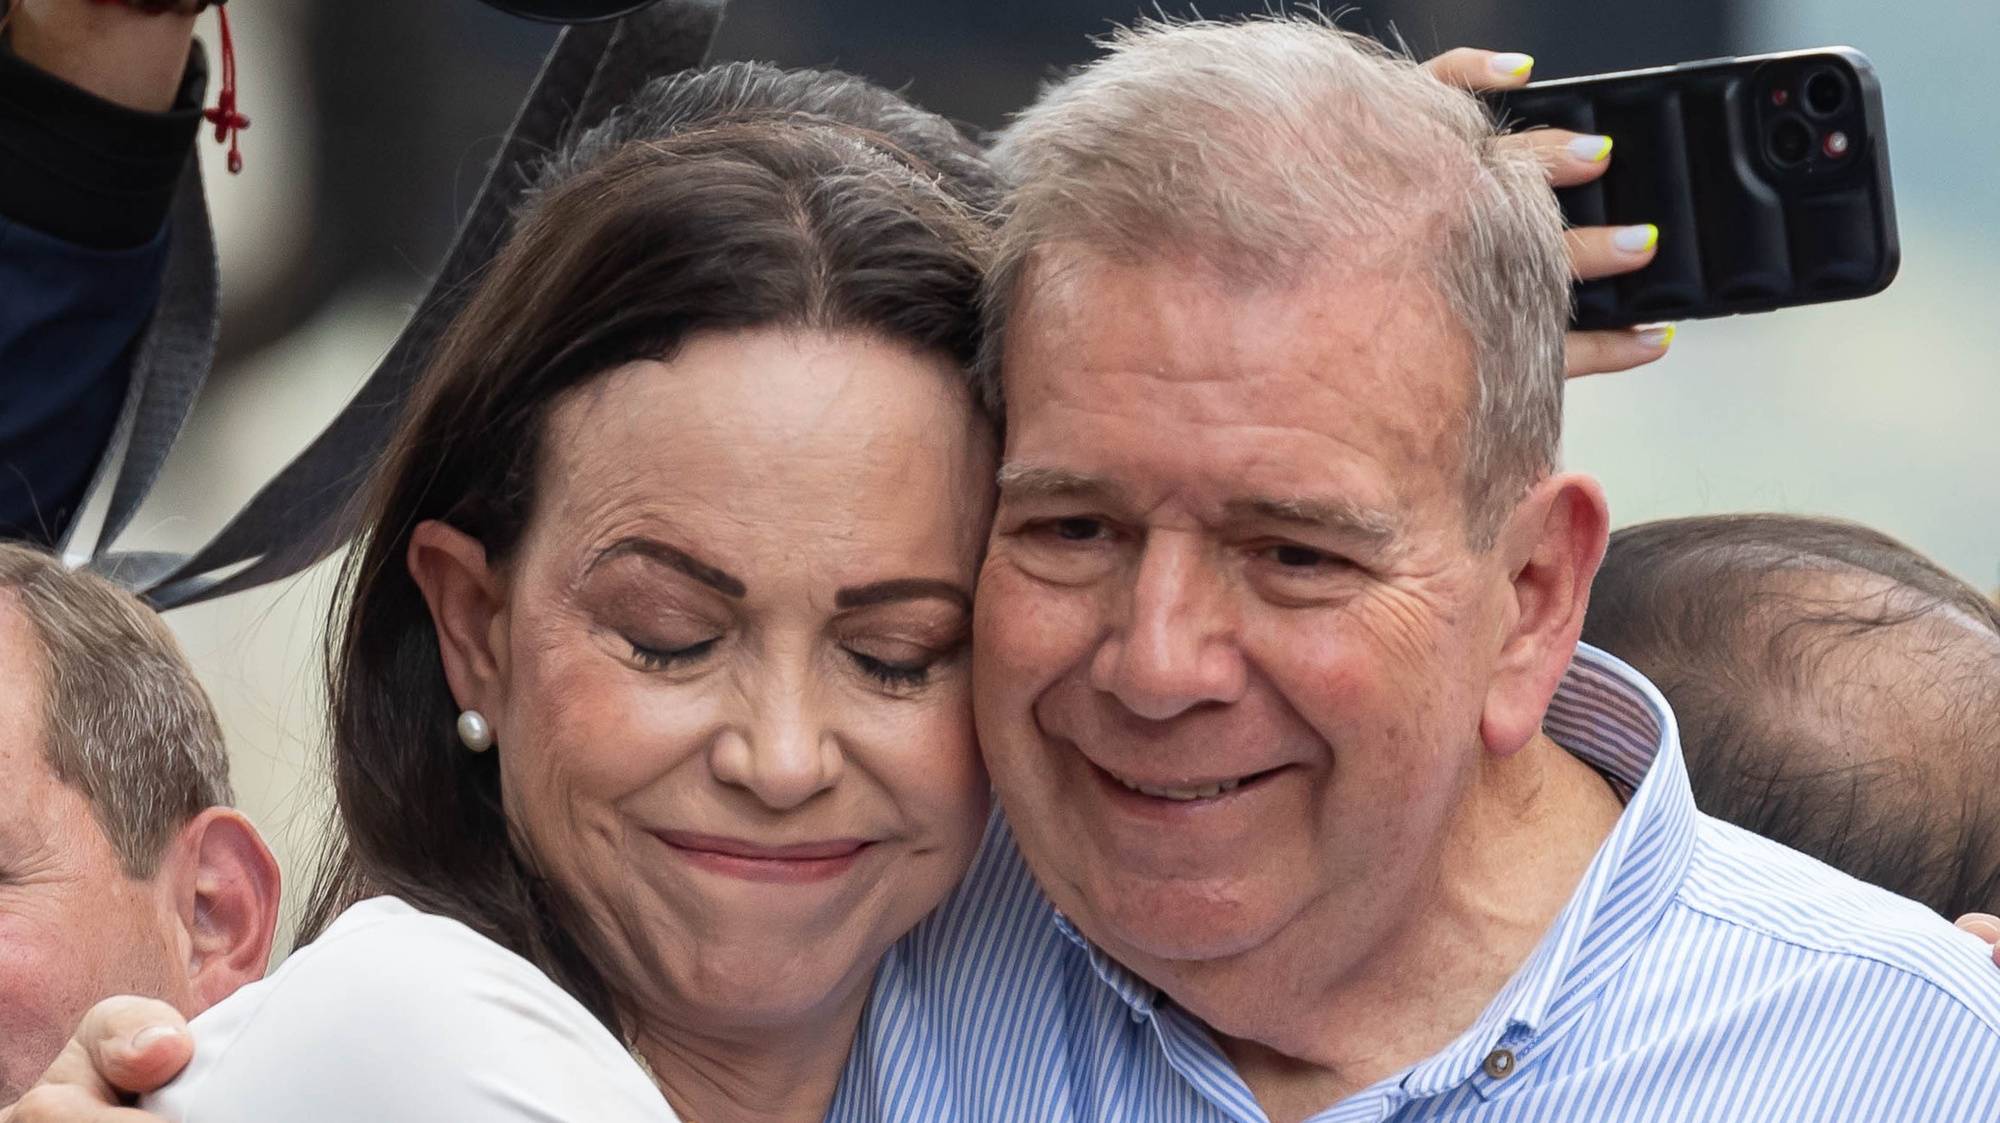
(474, 731)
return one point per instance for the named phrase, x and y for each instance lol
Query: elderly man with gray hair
(1278, 676)
(122, 867)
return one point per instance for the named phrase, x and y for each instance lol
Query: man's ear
(468, 609)
(1552, 546)
(226, 898)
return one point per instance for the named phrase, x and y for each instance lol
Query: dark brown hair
(736, 197)
(1788, 729)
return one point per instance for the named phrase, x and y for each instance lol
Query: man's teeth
(1182, 794)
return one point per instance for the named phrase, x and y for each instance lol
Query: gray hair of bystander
(1283, 148)
(125, 720)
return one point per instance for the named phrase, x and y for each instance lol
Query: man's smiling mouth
(1186, 793)
(1207, 791)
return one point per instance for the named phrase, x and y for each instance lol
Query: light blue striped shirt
(1699, 973)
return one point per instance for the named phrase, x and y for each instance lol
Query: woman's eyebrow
(653, 549)
(901, 588)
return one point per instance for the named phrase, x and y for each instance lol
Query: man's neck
(1515, 854)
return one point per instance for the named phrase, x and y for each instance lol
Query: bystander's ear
(468, 609)
(1551, 546)
(225, 887)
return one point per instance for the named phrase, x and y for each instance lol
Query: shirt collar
(1607, 715)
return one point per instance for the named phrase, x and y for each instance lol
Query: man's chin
(1177, 923)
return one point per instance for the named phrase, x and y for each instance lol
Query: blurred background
(375, 120)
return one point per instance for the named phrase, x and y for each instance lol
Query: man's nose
(1175, 649)
(785, 755)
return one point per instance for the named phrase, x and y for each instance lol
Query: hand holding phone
(1767, 177)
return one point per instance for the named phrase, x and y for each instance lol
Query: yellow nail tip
(1603, 151)
(1652, 237)
(1525, 66)
(1661, 337)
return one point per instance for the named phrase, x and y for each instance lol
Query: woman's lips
(753, 861)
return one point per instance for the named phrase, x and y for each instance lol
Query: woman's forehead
(874, 451)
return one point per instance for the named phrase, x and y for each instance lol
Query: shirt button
(1500, 1064)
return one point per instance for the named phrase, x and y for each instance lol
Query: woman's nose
(784, 758)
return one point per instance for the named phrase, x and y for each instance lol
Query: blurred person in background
(123, 869)
(1836, 691)
(99, 106)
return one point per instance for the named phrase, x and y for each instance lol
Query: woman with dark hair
(649, 684)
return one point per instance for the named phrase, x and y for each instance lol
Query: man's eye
(1075, 529)
(661, 659)
(1294, 557)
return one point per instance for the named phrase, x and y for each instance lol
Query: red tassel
(229, 124)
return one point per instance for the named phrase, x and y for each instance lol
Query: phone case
(1768, 177)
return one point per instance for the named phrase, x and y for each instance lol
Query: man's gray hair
(1275, 146)
(124, 719)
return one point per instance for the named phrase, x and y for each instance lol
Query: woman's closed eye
(897, 665)
(894, 675)
(671, 658)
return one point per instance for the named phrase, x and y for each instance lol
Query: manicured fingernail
(1593, 149)
(1511, 64)
(1659, 337)
(152, 1035)
(1636, 239)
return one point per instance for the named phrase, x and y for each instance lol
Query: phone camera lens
(1789, 142)
(1826, 92)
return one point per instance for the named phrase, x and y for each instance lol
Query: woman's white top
(396, 1015)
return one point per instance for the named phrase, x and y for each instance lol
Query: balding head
(1836, 691)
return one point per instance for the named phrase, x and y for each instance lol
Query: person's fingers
(134, 1044)
(1603, 352)
(1475, 69)
(1571, 158)
(60, 1103)
(1607, 251)
(1984, 925)
(74, 1073)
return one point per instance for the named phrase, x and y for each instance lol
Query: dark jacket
(85, 188)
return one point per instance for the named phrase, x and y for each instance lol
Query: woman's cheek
(945, 774)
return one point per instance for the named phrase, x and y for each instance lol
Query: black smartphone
(1768, 177)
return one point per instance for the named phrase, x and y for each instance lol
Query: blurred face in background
(730, 676)
(74, 927)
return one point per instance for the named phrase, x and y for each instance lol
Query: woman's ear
(468, 607)
(1552, 546)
